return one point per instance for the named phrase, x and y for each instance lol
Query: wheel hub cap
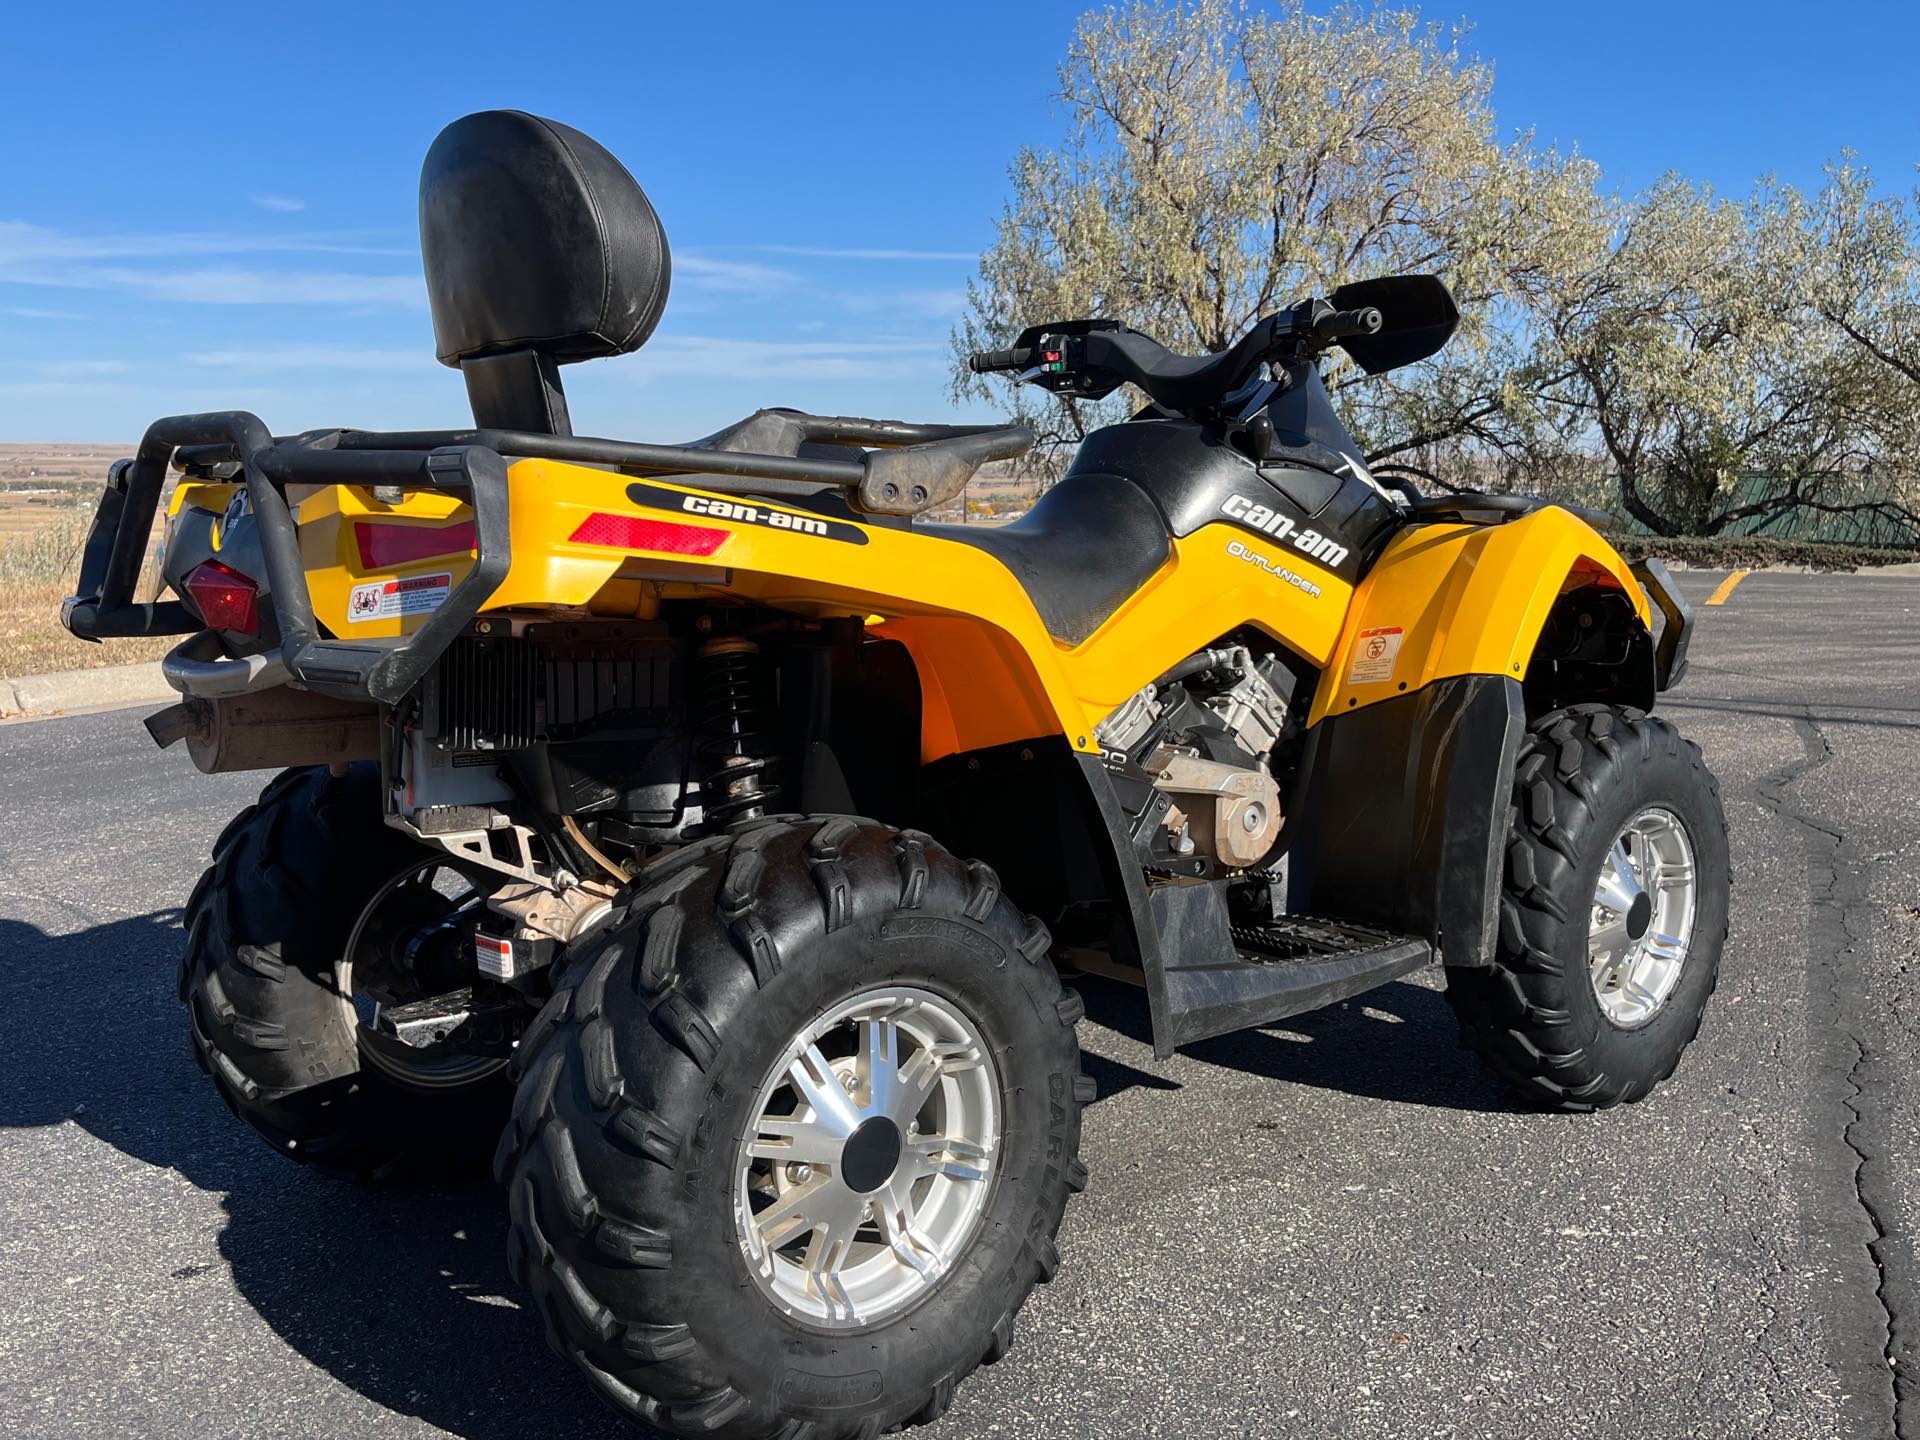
(1639, 916)
(868, 1159)
(1642, 918)
(871, 1156)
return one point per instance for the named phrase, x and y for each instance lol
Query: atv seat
(1087, 546)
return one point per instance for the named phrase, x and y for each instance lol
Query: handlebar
(1340, 324)
(989, 361)
(1089, 359)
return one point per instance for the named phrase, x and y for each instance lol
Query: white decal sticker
(1279, 572)
(1373, 656)
(1310, 543)
(390, 599)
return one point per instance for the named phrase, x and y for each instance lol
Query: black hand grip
(987, 361)
(1338, 324)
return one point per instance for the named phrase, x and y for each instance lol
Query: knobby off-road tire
(1535, 1016)
(266, 926)
(640, 1077)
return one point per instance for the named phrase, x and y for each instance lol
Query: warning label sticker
(1373, 656)
(390, 599)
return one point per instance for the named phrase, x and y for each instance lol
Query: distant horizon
(824, 201)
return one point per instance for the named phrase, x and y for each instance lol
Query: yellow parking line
(1719, 597)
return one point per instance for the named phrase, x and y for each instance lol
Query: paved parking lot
(1333, 1227)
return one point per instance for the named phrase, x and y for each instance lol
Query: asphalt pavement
(1333, 1227)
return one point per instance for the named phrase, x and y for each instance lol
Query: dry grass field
(47, 493)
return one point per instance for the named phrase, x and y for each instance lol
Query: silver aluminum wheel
(869, 1158)
(429, 904)
(1642, 919)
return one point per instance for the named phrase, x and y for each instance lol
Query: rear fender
(990, 673)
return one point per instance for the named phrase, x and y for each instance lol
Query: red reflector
(383, 546)
(226, 599)
(631, 532)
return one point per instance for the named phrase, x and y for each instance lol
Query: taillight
(226, 599)
(383, 546)
(631, 532)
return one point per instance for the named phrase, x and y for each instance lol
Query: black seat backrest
(540, 250)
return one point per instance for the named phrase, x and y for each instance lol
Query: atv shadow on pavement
(401, 1294)
(1397, 1043)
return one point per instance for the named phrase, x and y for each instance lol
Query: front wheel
(794, 1135)
(1612, 914)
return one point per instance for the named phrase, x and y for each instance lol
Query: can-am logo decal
(747, 512)
(1268, 521)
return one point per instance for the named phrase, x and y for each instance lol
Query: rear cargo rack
(916, 468)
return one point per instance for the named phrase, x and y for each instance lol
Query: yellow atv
(625, 786)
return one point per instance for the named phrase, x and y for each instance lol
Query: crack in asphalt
(1841, 929)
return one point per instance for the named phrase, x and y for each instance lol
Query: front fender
(1453, 600)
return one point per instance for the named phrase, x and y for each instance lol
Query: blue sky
(208, 207)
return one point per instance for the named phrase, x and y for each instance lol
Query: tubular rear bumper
(379, 670)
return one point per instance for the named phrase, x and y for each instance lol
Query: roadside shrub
(1749, 552)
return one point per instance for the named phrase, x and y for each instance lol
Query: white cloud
(79, 369)
(284, 204)
(36, 255)
(941, 304)
(834, 252)
(229, 286)
(710, 357)
(734, 277)
(21, 241)
(29, 312)
(314, 357)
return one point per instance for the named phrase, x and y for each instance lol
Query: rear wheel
(1612, 915)
(794, 1135)
(313, 914)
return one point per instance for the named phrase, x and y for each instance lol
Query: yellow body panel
(212, 496)
(1466, 599)
(991, 671)
(331, 555)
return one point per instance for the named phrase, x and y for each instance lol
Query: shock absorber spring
(742, 779)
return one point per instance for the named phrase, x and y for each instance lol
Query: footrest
(1214, 976)
(1309, 937)
(1317, 962)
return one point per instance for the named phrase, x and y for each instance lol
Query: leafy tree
(1851, 262)
(1669, 349)
(1218, 165)
(1703, 358)
(1682, 366)
(1858, 267)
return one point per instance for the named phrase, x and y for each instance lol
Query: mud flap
(1205, 976)
(1403, 813)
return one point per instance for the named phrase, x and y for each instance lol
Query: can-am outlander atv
(626, 789)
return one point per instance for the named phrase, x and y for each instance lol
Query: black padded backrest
(536, 238)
